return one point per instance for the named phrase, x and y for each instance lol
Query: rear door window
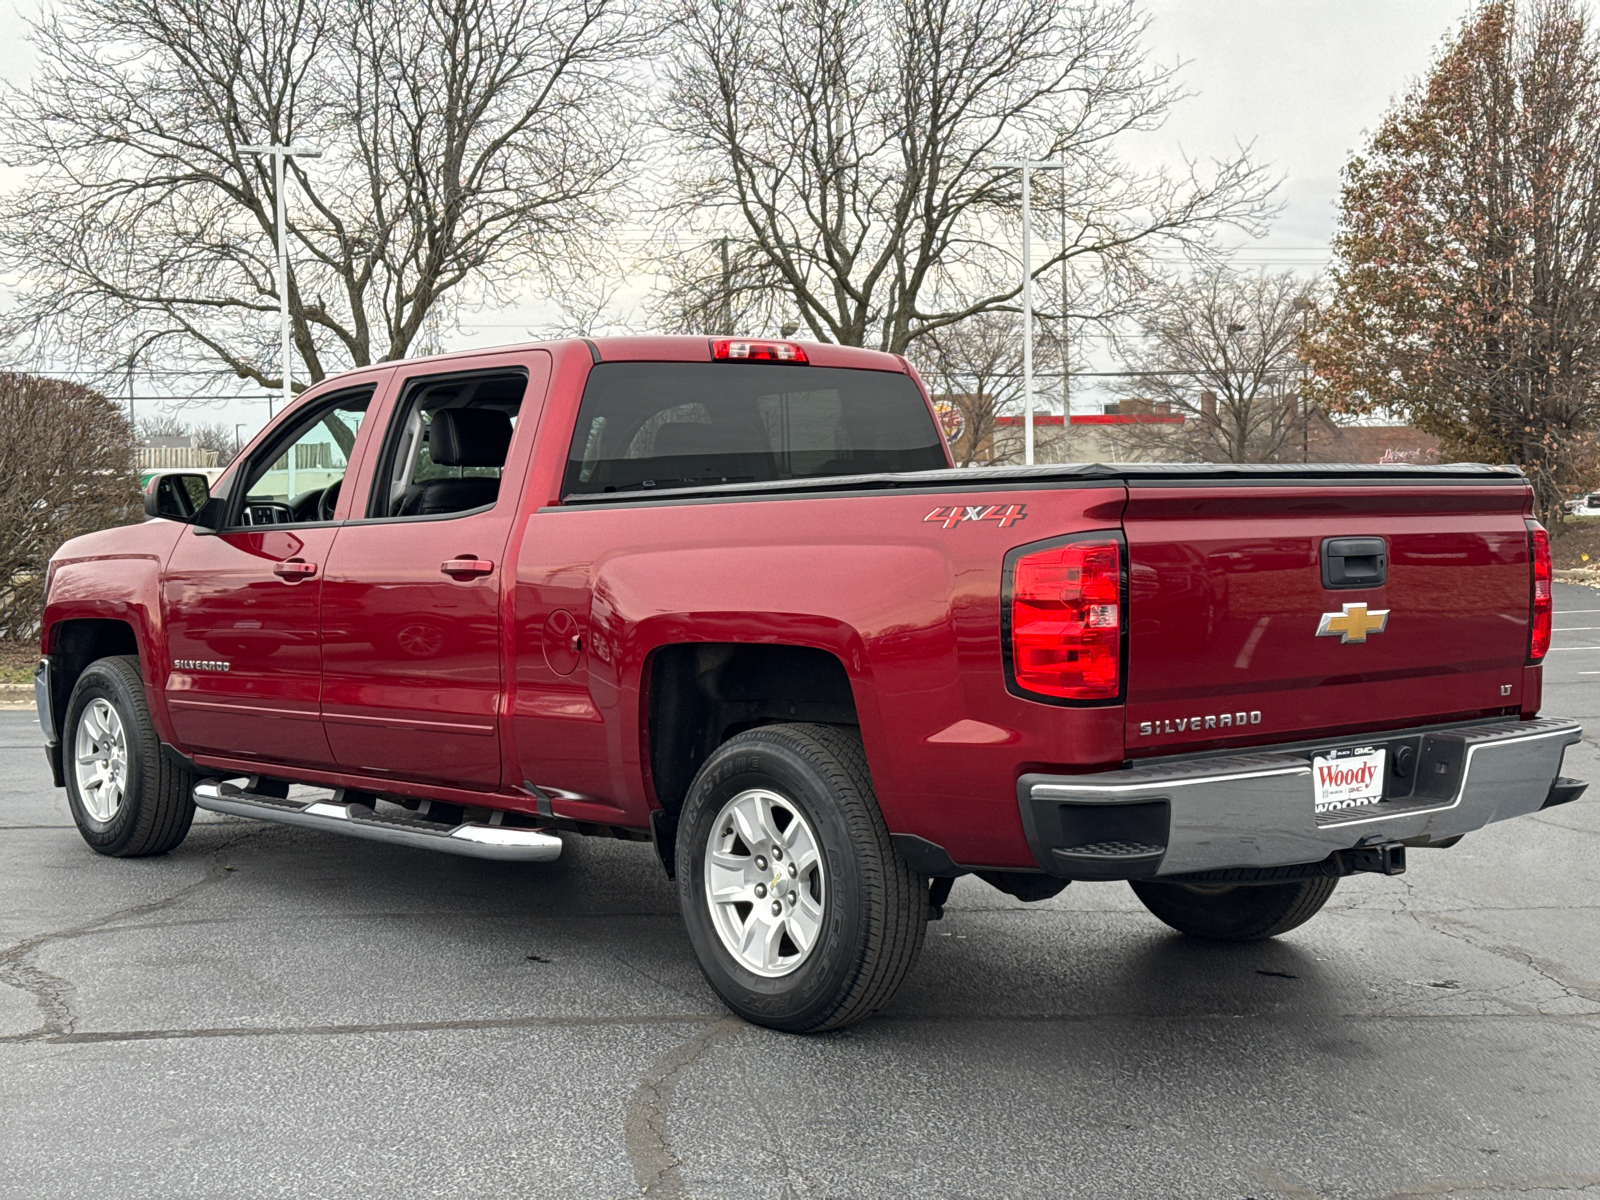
(650, 425)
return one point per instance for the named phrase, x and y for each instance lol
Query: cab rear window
(660, 425)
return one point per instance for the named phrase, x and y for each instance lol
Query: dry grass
(17, 660)
(1576, 538)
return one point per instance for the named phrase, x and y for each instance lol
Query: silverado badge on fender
(1353, 624)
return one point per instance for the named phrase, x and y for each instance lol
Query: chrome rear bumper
(1255, 810)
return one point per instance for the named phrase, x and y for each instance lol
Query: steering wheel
(326, 501)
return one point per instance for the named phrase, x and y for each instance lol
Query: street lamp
(238, 442)
(279, 153)
(1025, 166)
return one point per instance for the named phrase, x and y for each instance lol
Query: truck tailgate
(1226, 597)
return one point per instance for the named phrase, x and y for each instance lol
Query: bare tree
(1220, 350)
(974, 370)
(848, 151)
(468, 142)
(66, 469)
(206, 435)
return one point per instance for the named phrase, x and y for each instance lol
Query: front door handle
(294, 568)
(466, 568)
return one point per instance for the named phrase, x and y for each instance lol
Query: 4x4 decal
(951, 515)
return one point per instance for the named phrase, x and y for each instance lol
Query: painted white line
(1558, 649)
(1572, 612)
(1589, 672)
(1577, 629)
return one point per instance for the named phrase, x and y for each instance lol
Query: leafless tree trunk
(848, 148)
(974, 370)
(467, 142)
(1219, 349)
(66, 468)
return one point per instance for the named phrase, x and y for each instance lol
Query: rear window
(658, 425)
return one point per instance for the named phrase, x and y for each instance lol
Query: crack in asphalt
(1576, 1020)
(1533, 1183)
(255, 1031)
(53, 994)
(1538, 820)
(655, 1166)
(1546, 968)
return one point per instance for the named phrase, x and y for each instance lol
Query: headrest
(469, 437)
(678, 438)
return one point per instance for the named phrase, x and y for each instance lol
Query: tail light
(734, 351)
(1066, 620)
(1539, 626)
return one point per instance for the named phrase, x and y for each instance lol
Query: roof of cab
(685, 347)
(695, 348)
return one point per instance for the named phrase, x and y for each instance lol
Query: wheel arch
(700, 694)
(72, 644)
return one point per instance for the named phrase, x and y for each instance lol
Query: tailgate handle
(1354, 562)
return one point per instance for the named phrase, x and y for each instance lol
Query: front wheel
(128, 799)
(801, 913)
(1235, 913)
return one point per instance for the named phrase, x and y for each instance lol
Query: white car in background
(1585, 506)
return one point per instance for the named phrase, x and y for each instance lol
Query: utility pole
(279, 154)
(727, 292)
(1025, 166)
(1066, 334)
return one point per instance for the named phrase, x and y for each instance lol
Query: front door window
(297, 479)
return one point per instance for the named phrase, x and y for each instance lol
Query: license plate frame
(1347, 779)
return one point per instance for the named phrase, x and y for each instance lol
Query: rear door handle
(1354, 562)
(466, 567)
(294, 568)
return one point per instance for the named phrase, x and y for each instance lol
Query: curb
(1584, 576)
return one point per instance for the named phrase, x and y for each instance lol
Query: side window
(298, 477)
(447, 445)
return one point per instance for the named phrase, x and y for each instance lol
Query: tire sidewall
(812, 988)
(99, 681)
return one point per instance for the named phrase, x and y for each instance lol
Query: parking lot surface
(271, 1012)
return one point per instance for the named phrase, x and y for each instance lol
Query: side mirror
(177, 497)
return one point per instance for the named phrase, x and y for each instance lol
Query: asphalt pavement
(271, 1012)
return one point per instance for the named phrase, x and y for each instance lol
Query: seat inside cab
(449, 446)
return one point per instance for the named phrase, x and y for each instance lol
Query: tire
(144, 808)
(867, 908)
(1235, 914)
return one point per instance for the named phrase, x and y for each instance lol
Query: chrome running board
(473, 839)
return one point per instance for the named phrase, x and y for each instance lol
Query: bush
(66, 468)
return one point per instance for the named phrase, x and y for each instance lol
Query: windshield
(649, 425)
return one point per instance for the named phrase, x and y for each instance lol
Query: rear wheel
(801, 913)
(127, 798)
(1235, 913)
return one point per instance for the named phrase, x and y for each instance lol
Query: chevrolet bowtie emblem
(1353, 624)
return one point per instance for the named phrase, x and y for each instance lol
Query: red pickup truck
(730, 597)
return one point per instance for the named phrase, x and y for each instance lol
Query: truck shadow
(606, 906)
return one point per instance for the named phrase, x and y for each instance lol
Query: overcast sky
(1301, 79)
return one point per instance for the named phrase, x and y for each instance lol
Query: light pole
(238, 442)
(279, 153)
(1025, 166)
